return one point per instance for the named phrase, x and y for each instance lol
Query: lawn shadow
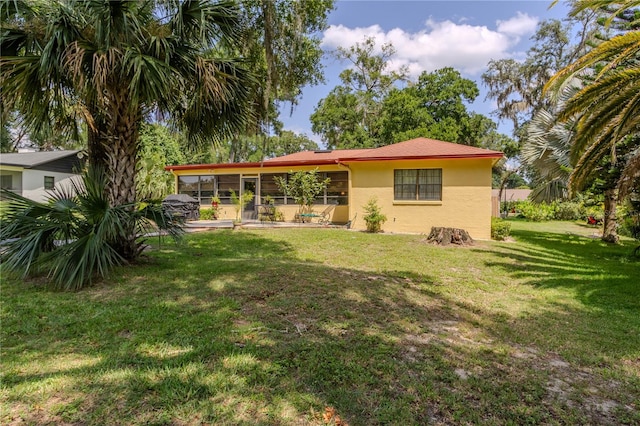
(602, 275)
(269, 338)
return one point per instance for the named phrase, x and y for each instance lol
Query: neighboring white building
(31, 174)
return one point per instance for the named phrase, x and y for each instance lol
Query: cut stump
(445, 236)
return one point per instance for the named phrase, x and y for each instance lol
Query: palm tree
(546, 149)
(607, 106)
(73, 236)
(111, 63)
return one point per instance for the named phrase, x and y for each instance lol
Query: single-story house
(418, 183)
(31, 174)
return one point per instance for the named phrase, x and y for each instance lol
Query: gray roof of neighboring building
(33, 159)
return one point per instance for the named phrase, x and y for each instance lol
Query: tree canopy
(374, 106)
(349, 116)
(110, 64)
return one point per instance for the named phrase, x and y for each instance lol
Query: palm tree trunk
(609, 233)
(113, 144)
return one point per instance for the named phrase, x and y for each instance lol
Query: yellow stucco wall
(466, 196)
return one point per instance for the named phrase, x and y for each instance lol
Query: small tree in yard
(303, 187)
(374, 217)
(240, 201)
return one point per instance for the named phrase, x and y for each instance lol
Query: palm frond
(73, 236)
(615, 8)
(549, 190)
(617, 50)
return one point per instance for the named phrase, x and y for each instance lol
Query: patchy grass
(317, 326)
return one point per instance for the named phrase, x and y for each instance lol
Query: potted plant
(215, 203)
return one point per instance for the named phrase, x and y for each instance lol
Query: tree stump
(445, 236)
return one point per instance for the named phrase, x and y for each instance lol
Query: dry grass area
(326, 326)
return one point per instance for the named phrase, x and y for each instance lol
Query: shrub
(534, 211)
(373, 217)
(207, 214)
(500, 229)
(557, 210)
(568, 210)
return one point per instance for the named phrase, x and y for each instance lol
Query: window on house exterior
(269, 187)
(6, 182)
(226, 184)
(338, 188)
(207, 189)
(337, 191)
(189, 185)
(49, 182)
(418, 184)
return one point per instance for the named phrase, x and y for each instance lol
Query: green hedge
(537, 212)
(500, 229)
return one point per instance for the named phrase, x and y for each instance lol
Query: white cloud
(519, 25)
(465, 47)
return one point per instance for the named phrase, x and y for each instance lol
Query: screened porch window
(268, 187)
(189, 185)
(226, 184)
(418, 184)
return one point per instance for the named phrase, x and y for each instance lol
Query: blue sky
(428, 35)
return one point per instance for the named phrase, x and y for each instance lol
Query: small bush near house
(207, 214)
(374, 217)
(500, 229)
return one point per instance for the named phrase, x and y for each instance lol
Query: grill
(181, 206)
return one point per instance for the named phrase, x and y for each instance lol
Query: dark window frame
(6, 182)
(49, 182)
(417, 184)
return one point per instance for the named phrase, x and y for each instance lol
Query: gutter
(322, 162)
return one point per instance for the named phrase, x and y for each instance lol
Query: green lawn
(291, 326)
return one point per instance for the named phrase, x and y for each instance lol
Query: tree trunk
(113, 144)
(609, 232)
(445, 236)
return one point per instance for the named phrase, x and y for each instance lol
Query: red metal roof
(419, 148)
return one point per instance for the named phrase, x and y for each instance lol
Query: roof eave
(264, 164)
(424, 157)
